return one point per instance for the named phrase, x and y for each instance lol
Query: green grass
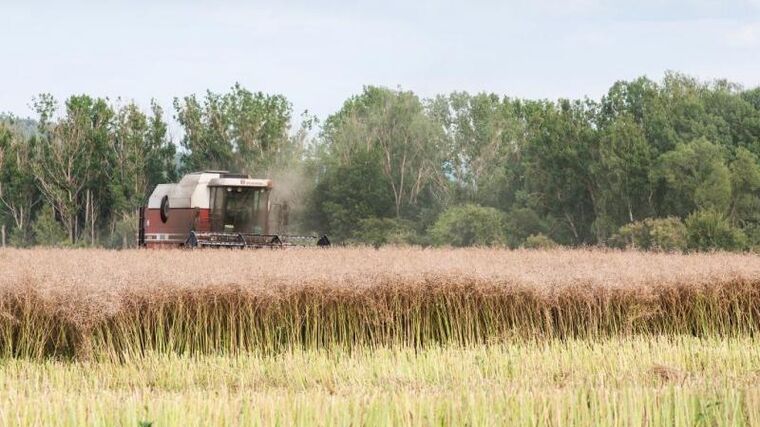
(682, 381)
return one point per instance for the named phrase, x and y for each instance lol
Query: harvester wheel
(323, 242)
(192, 240)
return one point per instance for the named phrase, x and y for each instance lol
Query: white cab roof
(240, 182)
(192, 191)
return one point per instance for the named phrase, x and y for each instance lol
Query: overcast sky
(319, 53)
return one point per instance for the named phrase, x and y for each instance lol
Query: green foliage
(539, 241)
(19, 195)
(91, 165)
(124, 233)
(581, 172)
(480, 132)
(667, 234)
(390, 128)
(711, 230)
(47, 230)
(658, 234)
(385, 231)
(745, 189)
(469, 225)
(72, 158)
(696, 177)
(347, 194)
(142, 156)
(238, 130)
(559, 145)
(522, 223)
(19, 239)
(634, 235)
(753, 237)
(623, 158)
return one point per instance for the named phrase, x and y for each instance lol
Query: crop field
(393, 336)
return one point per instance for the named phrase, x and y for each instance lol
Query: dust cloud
(289, 199)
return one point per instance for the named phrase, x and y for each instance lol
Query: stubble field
(378, 337)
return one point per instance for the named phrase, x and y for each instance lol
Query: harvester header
(217, 209)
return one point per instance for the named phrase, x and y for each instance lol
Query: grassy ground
(681, 381)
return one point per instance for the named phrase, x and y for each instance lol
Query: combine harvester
(217, 209)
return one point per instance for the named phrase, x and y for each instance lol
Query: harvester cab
(217, 209)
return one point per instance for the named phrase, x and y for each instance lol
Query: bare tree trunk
(92, 221)
(572, 226)
(21, 227)
(73, 218)
(2, 234)
(86, 211)
(73, 229)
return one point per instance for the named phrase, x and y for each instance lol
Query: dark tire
(165, 209)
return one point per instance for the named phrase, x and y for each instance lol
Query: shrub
(47, 230)
(709, 230)
(124, 232)
(658, 234)
(632, 235)
(17, 238)
(539, 241)
(522, 223)
(469, 225)
(752, 231)
(667, 234)
(383, 231)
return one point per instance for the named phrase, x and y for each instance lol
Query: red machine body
(204, 203)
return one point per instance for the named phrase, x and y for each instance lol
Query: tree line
(663, 165)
